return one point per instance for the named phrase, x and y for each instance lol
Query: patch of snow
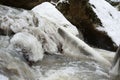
(109, 17)
(2, 77)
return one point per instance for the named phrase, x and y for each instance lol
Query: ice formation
(32, 47)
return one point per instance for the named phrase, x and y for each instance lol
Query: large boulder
(84, 14)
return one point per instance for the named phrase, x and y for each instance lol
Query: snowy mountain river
(37, 45)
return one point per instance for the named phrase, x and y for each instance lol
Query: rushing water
(54, 67)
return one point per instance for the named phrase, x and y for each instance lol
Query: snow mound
(49, 11)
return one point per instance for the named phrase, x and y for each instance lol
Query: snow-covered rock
(109, 17)
(49, 11)
(33, 48)
(49, 25)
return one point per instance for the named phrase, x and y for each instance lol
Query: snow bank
(109, 17)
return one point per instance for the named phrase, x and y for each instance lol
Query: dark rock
(26, 4)
(80, 14)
